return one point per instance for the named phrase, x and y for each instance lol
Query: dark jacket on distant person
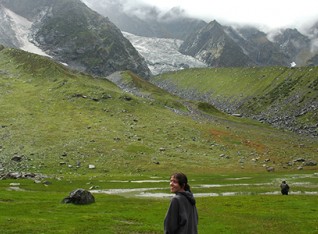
(284, 188)
(182, 215)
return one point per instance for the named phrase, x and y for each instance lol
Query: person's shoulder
(177, 196)
(180, 196)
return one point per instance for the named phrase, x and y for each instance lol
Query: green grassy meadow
(59, 122)
(38, 208)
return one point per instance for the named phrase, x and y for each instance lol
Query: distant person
(182, 215)
(284, 188)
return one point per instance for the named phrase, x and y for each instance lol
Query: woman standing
(182, 215)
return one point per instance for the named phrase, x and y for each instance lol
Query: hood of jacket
(189, 196)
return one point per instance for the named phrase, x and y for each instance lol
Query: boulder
(79, 197)
(310, 163)
(16, 158)
(270, 169)
(299, 160)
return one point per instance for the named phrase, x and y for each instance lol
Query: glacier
(161, 54)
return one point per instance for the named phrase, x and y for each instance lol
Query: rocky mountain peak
(212, 45)
(294, 44)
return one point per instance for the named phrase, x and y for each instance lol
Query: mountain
(296, 46)
(257, 46)
(221, 45)
(79, 37)
(246, 46)
(213, 46)
(71, 33)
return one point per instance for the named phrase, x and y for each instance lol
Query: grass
(263, 214)
(38, 208)
(61, 121)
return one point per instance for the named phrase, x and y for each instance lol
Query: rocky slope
(72, 33)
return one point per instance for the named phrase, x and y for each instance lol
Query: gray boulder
(310, 163)
(79, 197)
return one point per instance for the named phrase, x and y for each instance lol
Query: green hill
(284, 97)
(57, 121)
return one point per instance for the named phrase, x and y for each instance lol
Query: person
(182, 215)
(284, 188)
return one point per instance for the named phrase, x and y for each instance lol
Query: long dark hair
(182, 180)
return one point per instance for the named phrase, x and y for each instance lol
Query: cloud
(266, 15)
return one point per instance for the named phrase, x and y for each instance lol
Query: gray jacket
(182, 215)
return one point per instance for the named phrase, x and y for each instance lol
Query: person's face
(174, 185)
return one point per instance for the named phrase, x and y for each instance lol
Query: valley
(87, 106)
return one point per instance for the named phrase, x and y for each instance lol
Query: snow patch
(22, 28)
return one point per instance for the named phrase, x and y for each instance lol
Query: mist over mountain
(145, 20)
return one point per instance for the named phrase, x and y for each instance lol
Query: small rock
(299, 160)
(47, 183)
(16, 158)
(270, 169)
(91, 166)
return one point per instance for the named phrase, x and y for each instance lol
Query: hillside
(284, 97)
(57, 121)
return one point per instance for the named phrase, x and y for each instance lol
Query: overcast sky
(269, 14)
